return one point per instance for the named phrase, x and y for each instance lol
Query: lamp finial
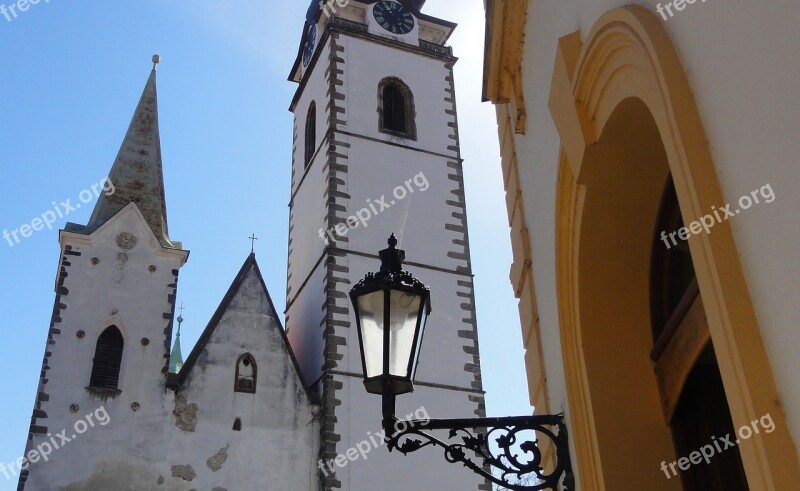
(392, 258)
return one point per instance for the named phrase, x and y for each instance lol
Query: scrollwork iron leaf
(516, 471)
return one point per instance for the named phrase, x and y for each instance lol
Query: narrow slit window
(246, 374)
(107, 359)
(311, 133)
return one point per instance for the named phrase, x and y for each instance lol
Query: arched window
(396, 108)
(311, 133)
(700, 408)
(107, 359)
(673, 282)
(246, 374)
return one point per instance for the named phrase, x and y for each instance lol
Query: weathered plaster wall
(98, 278)
(274, 448)
(145, 438)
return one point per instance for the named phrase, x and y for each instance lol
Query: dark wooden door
(701, 418)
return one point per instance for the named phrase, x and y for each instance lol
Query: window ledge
(103, 391)
(398, 134)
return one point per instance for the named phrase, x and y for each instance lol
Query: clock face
(393, 17)
(311, 42)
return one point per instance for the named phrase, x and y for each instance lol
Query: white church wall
(749, 121)
(308, 182)
(426, 469)
(274, 448)
(304, 320)
(306, 244)
(415, 187)
(368, 63)
(308, 213)
(94, 296)
(315, 90)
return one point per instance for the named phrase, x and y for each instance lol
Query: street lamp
(392, 308)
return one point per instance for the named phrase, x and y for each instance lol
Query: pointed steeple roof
(176, 357)
(137, 174)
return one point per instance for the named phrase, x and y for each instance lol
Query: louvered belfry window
(311, 133)
(396, 109)
(107, 359)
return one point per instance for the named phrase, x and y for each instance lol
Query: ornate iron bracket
(517, 459)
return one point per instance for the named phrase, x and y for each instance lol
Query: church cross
(253, 240)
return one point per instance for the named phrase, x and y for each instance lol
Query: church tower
(108, 347)
(114, 409)
(376, 151)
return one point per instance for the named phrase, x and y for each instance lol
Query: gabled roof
(249, 264)
(137, 174)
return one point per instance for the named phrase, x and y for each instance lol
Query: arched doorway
(628, 121)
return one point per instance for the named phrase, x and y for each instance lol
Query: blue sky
(71, 73)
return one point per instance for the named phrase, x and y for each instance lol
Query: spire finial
(180, 319)
(253, 240)
(392, 241)
(156, 61)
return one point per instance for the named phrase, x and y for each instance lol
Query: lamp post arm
(515, 461)
(448, 424)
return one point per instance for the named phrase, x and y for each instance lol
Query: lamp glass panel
(421, 336)
(370, 307)
(404, 309)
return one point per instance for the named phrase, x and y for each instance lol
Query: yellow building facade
(656, 301)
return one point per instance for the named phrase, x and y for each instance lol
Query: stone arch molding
(628, 55)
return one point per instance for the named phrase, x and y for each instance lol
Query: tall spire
(137, 173)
